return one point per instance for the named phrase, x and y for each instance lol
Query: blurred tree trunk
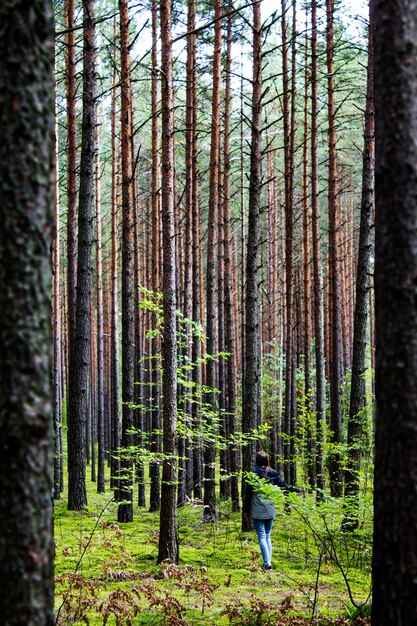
(26, 229)
(395, 495)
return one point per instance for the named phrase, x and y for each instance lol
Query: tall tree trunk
(198, 307)
(71, 94)
(251, 387)
(168, 540)
(79, 363)
(310, 432)
(26, 229)
(185, 487)
(289, 249)
(230, 330)
(155, 346)
(317, 281)
(335, 312)
(114, 352)
(56, 321)
(395, 496)
(358, 384)
(125, 510)
(139, 374)
(212, 288)
(291, 168)
(100, 332)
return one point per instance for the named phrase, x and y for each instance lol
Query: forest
(208, 252)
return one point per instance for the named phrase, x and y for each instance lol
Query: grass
(106, 573)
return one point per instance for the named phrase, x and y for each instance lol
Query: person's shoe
(267, 567)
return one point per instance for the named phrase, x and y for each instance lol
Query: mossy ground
(118, 581)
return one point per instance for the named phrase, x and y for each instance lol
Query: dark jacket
(257, 506)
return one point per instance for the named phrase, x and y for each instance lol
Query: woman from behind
(261, 511)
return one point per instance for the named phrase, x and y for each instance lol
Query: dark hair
(261, 459)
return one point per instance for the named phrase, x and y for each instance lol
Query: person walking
(262, 511)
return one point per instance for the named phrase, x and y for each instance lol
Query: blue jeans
(263, 528)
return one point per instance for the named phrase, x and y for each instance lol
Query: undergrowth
(106, 573)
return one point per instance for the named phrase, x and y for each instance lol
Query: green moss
(219, 566)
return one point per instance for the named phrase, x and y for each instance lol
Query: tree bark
(155, 346)
(100, 333)
(168, 540)
(56, 321)
(251, 387)
(317, 266)
(211, 285)
(71, 94)
(335, 312)
(289, 250)
(79, 358)
(26, 229)
(358, 384)
(125, 510)
(395, 496)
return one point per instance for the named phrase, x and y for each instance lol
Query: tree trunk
(155, 346)
(317, 281)
(26, 229)
(125, 510)
(251, 387)
(56, 321)
(358, 385)
(100, 333)
(211, 285)
(230, 330)
(395, 496)
(71, 94)
(289, 250)
(308, 390)
(335, 312)
(168, 540)
(79, 363)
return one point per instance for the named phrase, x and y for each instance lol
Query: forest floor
(106, 573)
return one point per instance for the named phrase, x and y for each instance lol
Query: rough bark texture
(79, 358)
(289, 249)
(395, 496)
(251, 388)
(317, 282)
(230, 330)
(358, 386)
(335, 311)
(26, 225)
(71, 94)
(114, 324)
(308, 389)
(212, 287)
(100, 333)
(125, 510)
(168, 540)
(56, 322)
(154, 468)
